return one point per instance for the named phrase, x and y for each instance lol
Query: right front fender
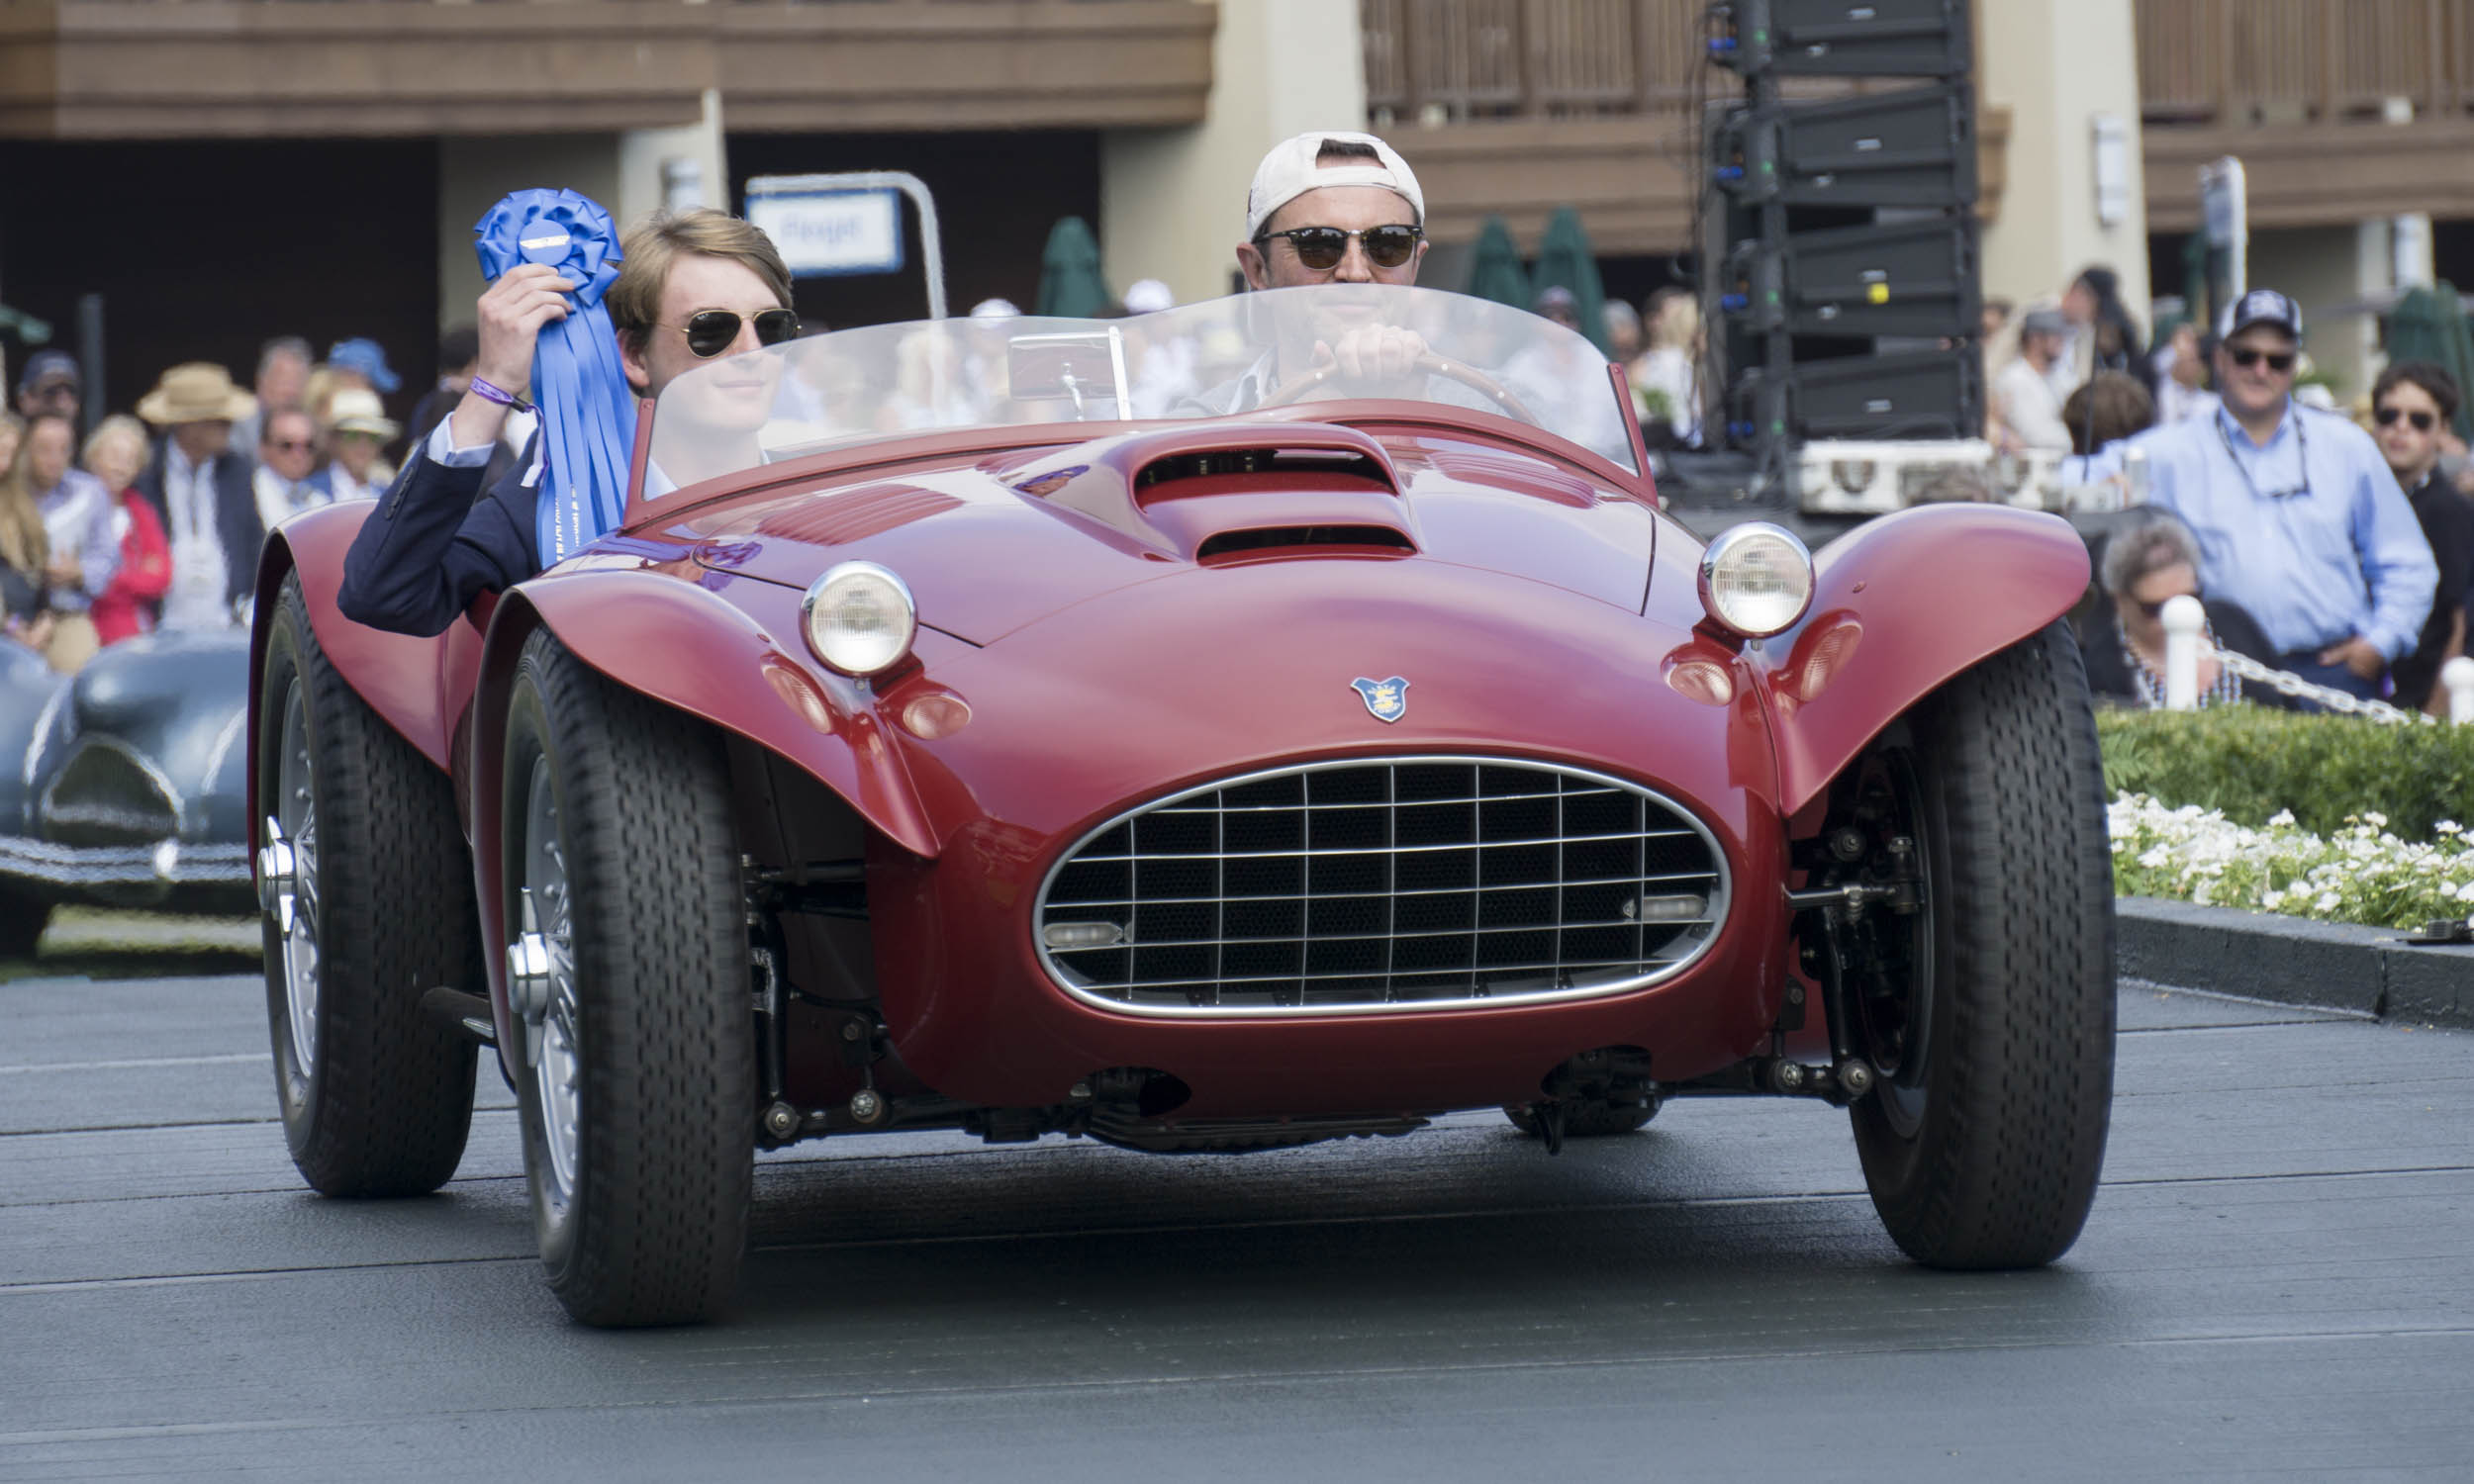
(1900, 606)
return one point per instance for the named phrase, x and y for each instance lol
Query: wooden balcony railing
(2232, 63)
(2226, 64)
(1458, 60)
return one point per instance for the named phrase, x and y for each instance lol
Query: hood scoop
(1221, 491)
(1337, 468)
(1357, 540)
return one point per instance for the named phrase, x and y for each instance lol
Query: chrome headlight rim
(811, 605)
(1730, 543)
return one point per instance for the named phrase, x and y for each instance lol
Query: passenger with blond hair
(693, 285)
(24, 552)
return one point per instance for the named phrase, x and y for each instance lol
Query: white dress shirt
(280, 498)
(2031, 412)
(442, 448)
(200, 577)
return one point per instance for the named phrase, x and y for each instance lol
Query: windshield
(1222, 357)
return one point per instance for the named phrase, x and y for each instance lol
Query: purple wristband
(490, 393)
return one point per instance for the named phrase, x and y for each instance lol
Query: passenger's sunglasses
(291, 446)
(712, 332)
(1322, 248)
(2423, 422)
(2156, 610)
(2279, 361)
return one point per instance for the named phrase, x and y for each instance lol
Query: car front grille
(108, 794)
(1399, 883)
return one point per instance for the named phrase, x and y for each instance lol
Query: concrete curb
(2326, 965)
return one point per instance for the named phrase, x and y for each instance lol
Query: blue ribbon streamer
(588, 414)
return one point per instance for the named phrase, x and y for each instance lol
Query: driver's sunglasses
(1322, 248)
(2156, 610)
(2279, 361)
(714, 331)
(2423, 422)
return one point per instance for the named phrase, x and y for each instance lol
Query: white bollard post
(2458, 676)
(2184, 618)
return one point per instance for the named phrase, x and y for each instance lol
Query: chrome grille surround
(1384, 885)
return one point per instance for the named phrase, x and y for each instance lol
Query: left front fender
(1901, 604)
(720, 659)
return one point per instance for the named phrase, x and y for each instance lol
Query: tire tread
(669, 1139)
(2004, 1171)
(390, 1107)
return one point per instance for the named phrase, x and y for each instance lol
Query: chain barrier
(2286, 682)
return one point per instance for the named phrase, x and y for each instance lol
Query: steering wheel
(1431, 364)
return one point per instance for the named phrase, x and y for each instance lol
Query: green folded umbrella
(1494, 267)
(2429, 324)
(1566, 262)
(1071, 284)
(27, 329)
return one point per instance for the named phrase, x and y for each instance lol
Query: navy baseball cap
(2261, 307)
(49, 366)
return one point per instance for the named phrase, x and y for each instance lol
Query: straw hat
(355, 410)
(198, 392)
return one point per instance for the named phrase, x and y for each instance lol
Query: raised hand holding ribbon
(588, 414)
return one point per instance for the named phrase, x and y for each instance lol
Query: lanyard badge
(2301, 453)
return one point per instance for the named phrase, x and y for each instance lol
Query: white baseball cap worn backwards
(1289, 171)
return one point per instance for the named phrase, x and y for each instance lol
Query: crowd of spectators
(117, 525)
(2337, 548)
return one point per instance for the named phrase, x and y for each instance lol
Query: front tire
(637, 1079)
(372, 908)
(1993, 1037)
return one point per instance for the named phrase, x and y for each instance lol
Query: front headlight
(1756, 578)
(860, 618)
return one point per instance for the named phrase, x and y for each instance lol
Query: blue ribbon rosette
(588, 414)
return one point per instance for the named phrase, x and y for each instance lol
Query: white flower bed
(2362, 873)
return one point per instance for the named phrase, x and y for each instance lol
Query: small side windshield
(1223, 357)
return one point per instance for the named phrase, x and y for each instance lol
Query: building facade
(206, 173)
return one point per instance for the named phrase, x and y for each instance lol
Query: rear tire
(1984, 1137)
(637, 1084)
(376, 1099)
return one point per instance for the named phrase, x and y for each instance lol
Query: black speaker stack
(1841, 280)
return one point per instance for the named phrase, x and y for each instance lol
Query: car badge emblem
(1385, 699)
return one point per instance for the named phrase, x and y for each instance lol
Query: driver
(1331, 207)
(691, 285)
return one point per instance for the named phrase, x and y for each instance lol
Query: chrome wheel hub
(541, 983)
(287, 878)
(278, 876)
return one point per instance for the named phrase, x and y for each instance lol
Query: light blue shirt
(77, 519)
(2309, 533)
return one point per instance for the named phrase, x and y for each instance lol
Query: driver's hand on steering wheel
(1369, 353)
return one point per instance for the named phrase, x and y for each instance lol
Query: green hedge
(2252, 762)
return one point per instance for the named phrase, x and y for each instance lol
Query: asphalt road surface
(2277, 1282)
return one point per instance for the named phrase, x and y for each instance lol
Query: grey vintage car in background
(123, 785)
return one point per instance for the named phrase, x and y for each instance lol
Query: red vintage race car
(1162, 732)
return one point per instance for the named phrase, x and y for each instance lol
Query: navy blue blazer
(430, 547)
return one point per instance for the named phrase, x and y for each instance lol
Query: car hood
(991, 545)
